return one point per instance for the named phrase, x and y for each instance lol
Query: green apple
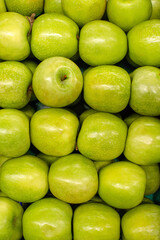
(15, 85)
(102, 42)
(107, 88)
(53, 35)
(53, 6)
(102, 136)
(129, 119)
(101, 164)
(11, 214)
(73, 179)
(24, 179)
(85, 114)
(155, 9)
(28, 111)
(3, 159)
(142, 223)
(54, 131)
(24, 7)
(47, 158)
(14, 133)
(127, 14)
(143, 141)
(145, 91)
(14, 43)
(153, 178)
(96, 221)
(57, 82)
(144, 43)
(2, 6)
(122, 184)
(47, 219)
(32, 65)
(84, 11)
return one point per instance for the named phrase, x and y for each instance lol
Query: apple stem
(76, 147)
(63, 78)
(31, 21)
(29, 90)
(78, 37)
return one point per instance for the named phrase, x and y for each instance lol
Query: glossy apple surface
(155, 9)
(107, 88)
(14, 133)
(57, 82)
(144, 43)
(53, 6)
(145, 91)
(54, 34)
(102, 42)
(54, 131)
(84, 11)
(143, 141)
(127, 14)
(142, 222)
(11, 214)
(47, 219)
(102, 136)
(122, 184)
(2, 6)
(14, 43)
(96, 221)
(73, 179)
(27, 175)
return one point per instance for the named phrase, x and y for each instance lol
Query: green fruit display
(53, 6)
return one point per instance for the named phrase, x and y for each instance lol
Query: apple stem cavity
(76, 148)
(78, 37)
(29, 91)
(63, 78)
(31, 21)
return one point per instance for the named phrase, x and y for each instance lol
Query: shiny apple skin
(47, 219)
(143, 141)
(96, 221)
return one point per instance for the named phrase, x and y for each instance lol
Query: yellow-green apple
(129, 119)
(57, 82)
(84, 11)
(47, 158)
(107, 88)
(53, 35)
(96, 221)
(142, 223)
(2, 6)
(143, 141)
(14, 133)
(85, 114)
(73, 179)
(48, 219)
(54, 131)
(155, 9)
(14, 29)
(102, 136)
(145, 91)
(153, 178)
(144, 43)
(24, 7)
(122, 184)
(24, 179)
(127, 14)
(11, 214)
(53, 6)
(102, 42)
(15, 84)
(28, 111)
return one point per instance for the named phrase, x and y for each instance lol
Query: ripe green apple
(28, 111)
(143, 141)
(122, 184)
(24, 179)
(84, 11)
(145, 91)
(57, 82)
(14, 43)
(85, 114)
(127, 14)
(14, 133)
(142, 223)
(153, 178)
(47, 158)
(129, 119)
(15, 84)
(54, 34)
(102, 136)
(102, 42)
(24, 7)
(47, 219)
(54, 131)
(144, 43)
(155, 9)
(2, 6)
(11, 214)
(96, 221)
(107, 88)
(73, 179)
(53, 6)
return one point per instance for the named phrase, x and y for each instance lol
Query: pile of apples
(79, 120)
